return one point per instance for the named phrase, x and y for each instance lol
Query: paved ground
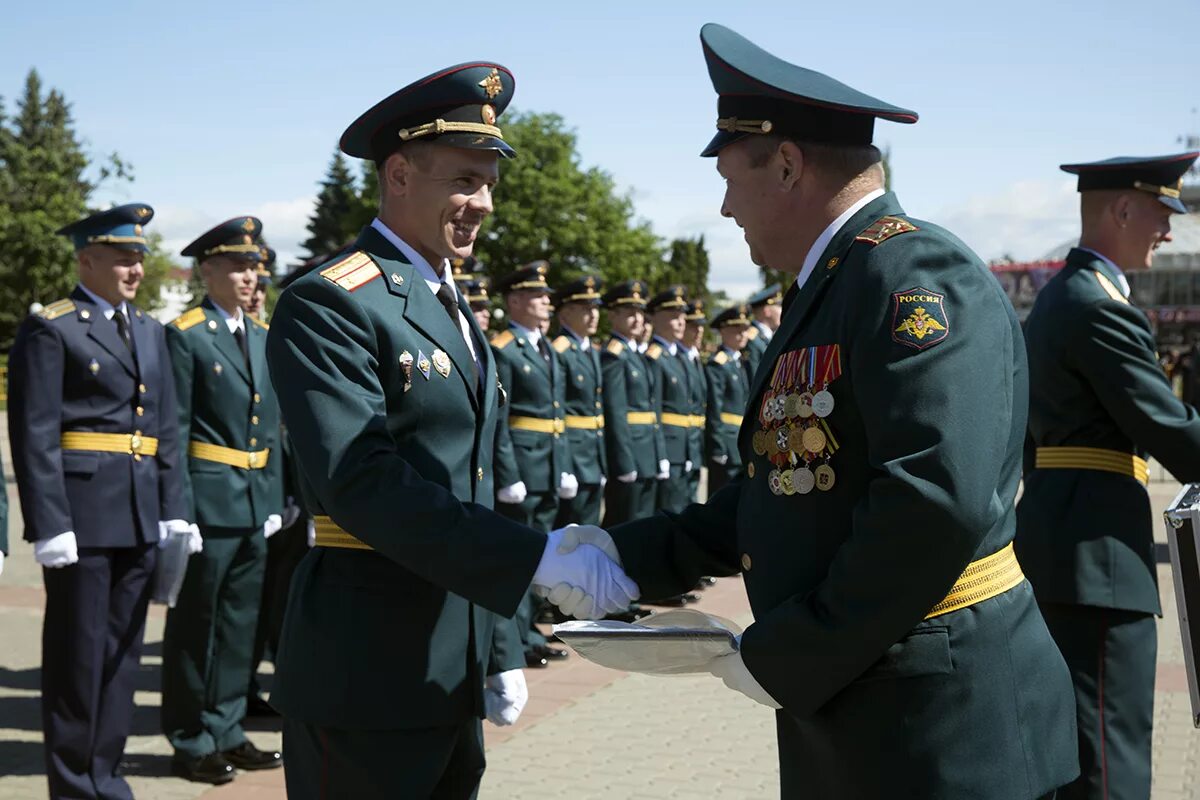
(609, 735)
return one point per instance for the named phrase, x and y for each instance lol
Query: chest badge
(919, 318)
(406, 365)
(423, 364)
(93, 366)
(441, 362)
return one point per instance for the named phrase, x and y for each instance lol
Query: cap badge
(142, 212)
(247, 224)
(491, 84)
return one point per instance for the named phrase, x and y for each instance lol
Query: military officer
(766, 306)
(630, 419)
(669, 375)
(257, 305)
(874, 524)
(477, 291)
(690, 345)
(727, 387)
(395, 643)
(91, 416)
(578, 311)
(229, 418)
(1098, 404)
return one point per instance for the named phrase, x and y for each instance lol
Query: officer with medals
(396, 642)
(691, 343)
(673, 400)
(577, 305)
(727, 385)
(766, 305)
(630, 418)
(893, 628)
(1099, 403)
(91, 419)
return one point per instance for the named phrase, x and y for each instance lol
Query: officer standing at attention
(578, 304)
(672, 397)
(630, 419)
(766, 306)
(91, 418)
(691, 344)
(257, 305)
(395, 643)
(229, 418)
(727, 387)
(874, 525)
(477, 291)
(1098, 403)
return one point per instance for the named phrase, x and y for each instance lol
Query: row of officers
(125, 432)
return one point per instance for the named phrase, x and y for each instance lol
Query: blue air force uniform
(91, 415)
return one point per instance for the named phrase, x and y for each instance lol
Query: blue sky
(232, 108)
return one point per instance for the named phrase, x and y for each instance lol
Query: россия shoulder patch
(919, 318)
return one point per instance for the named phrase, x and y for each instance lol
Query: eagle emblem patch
(919, 318)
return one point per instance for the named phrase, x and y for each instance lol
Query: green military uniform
(584, 388)
(1099, 402)
(229, 419)
(630, 419)
(760, 334)
(727, 385)
(697, 400)
(674, 404)
(896, 680)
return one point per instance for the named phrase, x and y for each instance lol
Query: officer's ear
(1122, 209)
(788, 164)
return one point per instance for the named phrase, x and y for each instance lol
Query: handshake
(580, 572)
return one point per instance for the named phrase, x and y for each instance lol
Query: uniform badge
(423, 364)
(406, 365)
(217, 368)
(212, 325)
(919, 318)
(93, 366)
(441, 362)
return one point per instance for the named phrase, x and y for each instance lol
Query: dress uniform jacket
(727, 387)
(755, 347)
(881, 697)
(584, 389)
(70, 371)
(630, 431)
(697, 404)
(393, 440)
(672, 380)
(1085, 534)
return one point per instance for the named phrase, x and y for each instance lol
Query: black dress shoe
(212, 768)
(257, 707)
(550, 653)
(534, 661)
(247, 756)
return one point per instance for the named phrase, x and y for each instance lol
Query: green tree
(688, 264)
(158, 265)
(367, 204)
(548, 206)
(333, 219)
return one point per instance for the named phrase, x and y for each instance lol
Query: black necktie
(544, 348)
(123, 329)
(240, 335)
(446, 295)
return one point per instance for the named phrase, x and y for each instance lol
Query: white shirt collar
(423, 268)
(693, 353)
(670, 347)
(763, 329)
(584, 341)
(1120, 275)
(234, 322)
(733, 354)
(106, 308)
(818, 247)
(532, 335)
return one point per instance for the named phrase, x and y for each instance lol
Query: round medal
(825, 477)
(781, 438)
(806, 410)
(769, 409)
(785, 482)
(780, 402)
(791, 405)
(796, 440)
(803, 480)
(775, 482)
(822, 403)
(814, 440)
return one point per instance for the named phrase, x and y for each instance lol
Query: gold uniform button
(479, 474)
(137, 456)
(257, 397)
(556, 404)
(746, 562)
(254, 420)
(750, 469)
(142, 388)
(253, 441)
(140, 411)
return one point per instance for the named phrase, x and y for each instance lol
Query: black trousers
(444, 763)
(673, 493)
(538, 511)
(624, 502)
(1111, 655)
(721, 475)
(284, 551)
(91, 643)
(582, 509)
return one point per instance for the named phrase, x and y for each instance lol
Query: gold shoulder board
(189, 319)
(57, 309)
(654, 351)
(259, 323)
(883, 229)
(502, 340)
(615, 347)
(752, 332)
(720, 358)
(352, 272)
(562, 344)
(1111, 289)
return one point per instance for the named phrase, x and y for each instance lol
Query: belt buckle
(252, 459)
(135, 444)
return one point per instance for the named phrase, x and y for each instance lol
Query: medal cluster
(795, 434)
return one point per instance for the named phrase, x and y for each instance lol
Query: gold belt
(982, 579)
(682, 420)
(330, 535)
(595, 423)
(536, 424)
(640, 417)
(1093, 458)
(242, 459)
(731, 419)
(129, 443)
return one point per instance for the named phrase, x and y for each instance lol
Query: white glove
(580, 576)
(687, 466)
(311, 533)
(195, 542)
(722, 460)
(291, 512)
(512, 494)
(664, 469)
(733, 671)
(568, 486)
(603, 481)
(1, 562)
(504, 696)
(628, 477)
(272, 525)
(57, 551)
(168, 526)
